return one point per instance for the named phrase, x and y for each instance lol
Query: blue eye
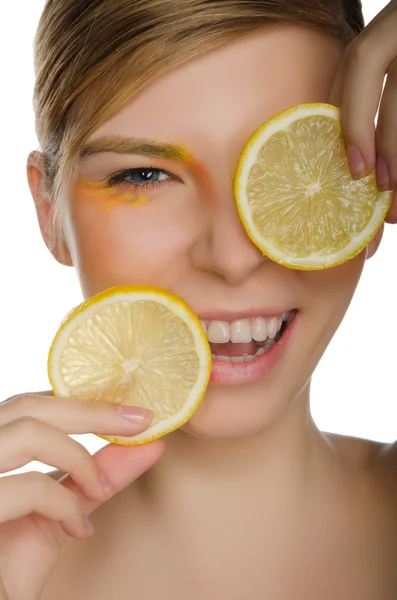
(141, 177)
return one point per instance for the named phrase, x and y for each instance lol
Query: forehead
(228, 92)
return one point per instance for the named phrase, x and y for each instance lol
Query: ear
(44, 209)
(374, 244)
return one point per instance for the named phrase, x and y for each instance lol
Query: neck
(276, 464)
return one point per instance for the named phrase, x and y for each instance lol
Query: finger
(357, 90)
(44, 393)
(391, 216)
(374, 244)
(386, 133)
(121, 465)
(336, 94)
(27, 439)
(75, 416)
(392, 6)
(358, 85)
(26, 493)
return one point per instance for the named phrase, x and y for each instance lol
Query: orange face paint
(107, 198)
(200, 172)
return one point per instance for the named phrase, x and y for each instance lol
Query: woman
(249, 499)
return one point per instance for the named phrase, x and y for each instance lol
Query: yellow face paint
(107, 198)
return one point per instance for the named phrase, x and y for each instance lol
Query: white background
(354, 387)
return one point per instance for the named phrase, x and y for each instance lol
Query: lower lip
(232, 373)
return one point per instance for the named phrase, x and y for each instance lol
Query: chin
(236, 413)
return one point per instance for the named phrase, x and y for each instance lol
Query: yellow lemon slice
(295, 194)
(138, 346)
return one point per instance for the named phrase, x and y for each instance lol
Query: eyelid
(108, 179)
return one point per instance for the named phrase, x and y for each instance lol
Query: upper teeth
(244, 330)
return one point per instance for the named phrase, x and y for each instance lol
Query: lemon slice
(138, 346)
(295, 194)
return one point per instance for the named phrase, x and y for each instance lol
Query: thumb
(121, 465)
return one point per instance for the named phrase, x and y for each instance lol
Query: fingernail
(105, 483)
(135, 413)
(356, 162)
(382, 174)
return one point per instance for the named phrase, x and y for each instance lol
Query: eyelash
(118, 179)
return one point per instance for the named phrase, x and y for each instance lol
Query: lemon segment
(137, 346)
(295, 194)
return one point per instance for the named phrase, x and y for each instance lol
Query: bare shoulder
(385, 460)
(55, 474)
(376, 460)
(354, 450)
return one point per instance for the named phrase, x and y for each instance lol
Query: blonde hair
(93, 56)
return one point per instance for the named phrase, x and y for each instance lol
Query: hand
(37, 514)
(357, 89)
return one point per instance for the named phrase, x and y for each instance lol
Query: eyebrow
(122, 145)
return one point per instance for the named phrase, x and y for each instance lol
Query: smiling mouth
(269, 332)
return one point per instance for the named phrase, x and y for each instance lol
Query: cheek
(330, 292)
(341, 281)
(126, 244)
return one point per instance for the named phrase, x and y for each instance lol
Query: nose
(225, 248)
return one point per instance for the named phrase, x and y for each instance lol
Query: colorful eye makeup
(87, 190)
(123, 187)
(131, 187)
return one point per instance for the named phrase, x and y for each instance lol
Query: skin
(91, 192)
(254, 450)
(357, 89)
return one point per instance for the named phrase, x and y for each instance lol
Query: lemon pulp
(295, 194)
(134, 346)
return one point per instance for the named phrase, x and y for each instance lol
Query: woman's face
(182, 231)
